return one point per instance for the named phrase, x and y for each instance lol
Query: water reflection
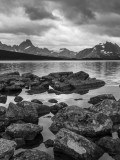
(105, 70)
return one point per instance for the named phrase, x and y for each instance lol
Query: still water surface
(109, 71)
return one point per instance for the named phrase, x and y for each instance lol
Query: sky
(72, 24)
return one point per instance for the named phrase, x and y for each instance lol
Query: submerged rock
(26, 131)
(32, 155)
(82, 122)
(36, 101)
(49, 143)
(18, 99)
(52, 101)
(7, 149)
(99, 98)
(76, 146)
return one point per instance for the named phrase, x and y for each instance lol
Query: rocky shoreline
(84, 134)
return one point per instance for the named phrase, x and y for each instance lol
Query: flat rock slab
(7, 148)
(76, 146)
(26, 131)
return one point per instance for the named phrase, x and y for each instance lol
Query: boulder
(110, 145)
(7, 149)
(3, 99)
(76, 146)
(111, 108)
(82, 122)
(23, 111)
(2, 110)
(52, 101)
(39, 108)
(27, 131)
(20, 142)
(49, 143)
(18, 99)
(32, 155)
(79, 75)
(99, 98)
(55, 108)
(36, 101)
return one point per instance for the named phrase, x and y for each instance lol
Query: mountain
(103, 51)
(29, 48)
(11, 55)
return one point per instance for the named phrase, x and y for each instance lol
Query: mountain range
(101, 51)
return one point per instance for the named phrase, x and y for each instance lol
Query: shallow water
(109, 71)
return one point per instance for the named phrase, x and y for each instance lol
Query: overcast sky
(74, 24)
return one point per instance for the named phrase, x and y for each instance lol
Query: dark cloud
(38, 13)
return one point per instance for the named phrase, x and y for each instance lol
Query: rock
(62, 86)
(27, 131)
(82, 122)
(117, 157)
(23, 111)
(36, 101)
(7, 149)
(2, 110)
(40, 108)
(18, 99)
(110, 145)
(32, 155)
(79, 75)
(76, 146)
(86, 84)
(49, 143)
(20, 142)
(99, 98)
(30, 76)
(55, 108)
(53, 101)
(108, 107)
(3, 99)
(13, 88)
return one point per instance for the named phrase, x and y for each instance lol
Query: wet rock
(3, 99)
(2, 110)
(55, 108)
(18, 99)
(43, 87)
(30, 76)
(7, 148)
(99, 98)
(36, 101)
(23, 111)
(79, 75)
(53, 101)
(40, 108)
(27, 131)
(20, 142)
(117, 157)
(32, 155)
(76, 146)
(110, 145)
(87, 84)
(110, 108)
(82, 122)
(62, 86)
(49, 143)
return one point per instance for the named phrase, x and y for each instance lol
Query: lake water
(109, 71)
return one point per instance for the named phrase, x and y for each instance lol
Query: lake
(109, 71)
